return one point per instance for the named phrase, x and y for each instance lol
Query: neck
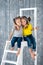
(25, 26)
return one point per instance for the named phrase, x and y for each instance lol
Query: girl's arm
(36, 28)
(11, 34)
(17, 27)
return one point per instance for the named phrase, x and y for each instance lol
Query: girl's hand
(17, 27)
(36, 28)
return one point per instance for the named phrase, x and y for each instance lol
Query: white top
(17, 33)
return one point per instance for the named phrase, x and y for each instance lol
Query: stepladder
(19, 57)
(4, 60)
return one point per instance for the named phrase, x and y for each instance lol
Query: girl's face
(18, 22)
(23, 22)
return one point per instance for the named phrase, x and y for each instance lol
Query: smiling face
(23, 22)
(18, 22)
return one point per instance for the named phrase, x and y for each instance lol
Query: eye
(24, 21)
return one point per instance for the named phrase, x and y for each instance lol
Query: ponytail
(29, 19)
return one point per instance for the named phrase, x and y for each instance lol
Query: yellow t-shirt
(27, 30)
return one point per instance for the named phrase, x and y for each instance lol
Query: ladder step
(11, 62)
(10, 51)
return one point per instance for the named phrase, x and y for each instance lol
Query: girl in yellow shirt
(27, 35)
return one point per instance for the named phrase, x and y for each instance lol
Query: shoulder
(29, 24)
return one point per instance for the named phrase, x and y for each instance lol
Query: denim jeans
(31, 41)
(16, 39)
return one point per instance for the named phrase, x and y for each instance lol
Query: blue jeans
(16, 39)
(31, 41)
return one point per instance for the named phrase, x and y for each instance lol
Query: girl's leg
(29, 45)
(12, 48)
(19, 45)
(33, 44)
(31, 53)
(18, 51)
(13, 42)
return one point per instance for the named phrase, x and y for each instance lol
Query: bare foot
(17, 53)
(34, 53)
(33, 56)
(12, 49)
